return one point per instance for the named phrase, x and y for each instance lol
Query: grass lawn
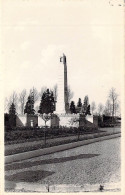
(39, 143)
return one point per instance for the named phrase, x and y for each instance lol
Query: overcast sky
(36, 33)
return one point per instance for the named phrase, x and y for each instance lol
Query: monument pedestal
(68, 120)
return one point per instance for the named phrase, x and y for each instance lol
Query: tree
(116, 108)
(113, 98)
(88, 110)
(79, 104)
(12, 99)
(69, 94)
(93, 107)
(34, 93)
(22, 100)
(86, 106)
(108, 108)
(43, 89)
(12, 115)
(72, 107)
(86, 102)
(47, 104)
(29, 107)
(6, 105)
(46, 108)
(100, 109)
(12, 109)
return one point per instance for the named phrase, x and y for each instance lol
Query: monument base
(68, 120)
(75, 120)
(58, 120)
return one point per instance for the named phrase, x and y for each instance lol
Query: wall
(20, 120)
(95, 121)
(32, 120)
(69, 120)
(55, 121)
(41, 122)
(89, 118)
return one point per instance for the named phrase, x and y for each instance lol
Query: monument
(62, 111)
(62, 106)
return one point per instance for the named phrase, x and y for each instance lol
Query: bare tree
(6, 104)
(55, 92)
(93, 107)
(70, 94)
(100, 109)
(114, 99)
(12, 99)
(117, 108)
(108, 108)
(35, 94)
(22, 100)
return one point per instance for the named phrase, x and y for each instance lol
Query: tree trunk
(45, 134)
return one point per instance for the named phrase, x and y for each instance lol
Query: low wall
(36, 153)
(65, 120)
(26, 120)
(20, 120)
(41, 122)
(55, 121)
(69, 120)
(89, 118)
(32, 120)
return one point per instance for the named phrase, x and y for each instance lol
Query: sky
(35, 34)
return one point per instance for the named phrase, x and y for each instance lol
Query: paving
(93, 165)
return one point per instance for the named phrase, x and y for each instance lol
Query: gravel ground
(96, 163)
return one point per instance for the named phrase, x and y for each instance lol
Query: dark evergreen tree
(88, 110)
(47, 104)
(12, 109)
(72, 107)
(86, 106)
(12, 116)
(79, 104)
(29, 108)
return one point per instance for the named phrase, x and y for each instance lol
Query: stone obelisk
(62, 106)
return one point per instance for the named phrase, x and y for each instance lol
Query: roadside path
(28, 146)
